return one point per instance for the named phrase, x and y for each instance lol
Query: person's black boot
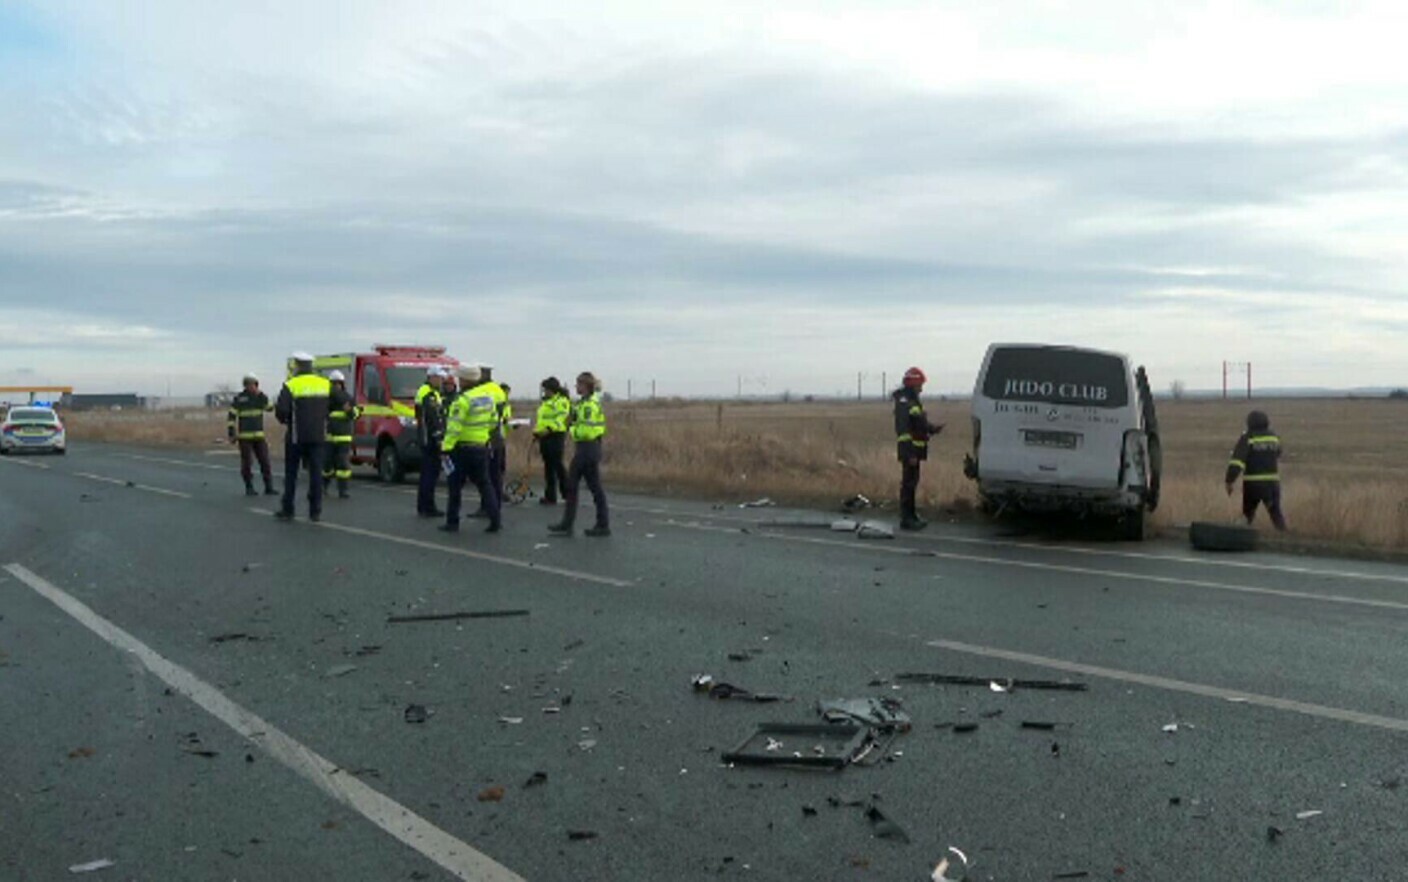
(913, 522)
(249, 489)
(597, 531)
(269, 489)
(560, 529)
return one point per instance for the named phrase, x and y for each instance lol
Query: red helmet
(914, 377)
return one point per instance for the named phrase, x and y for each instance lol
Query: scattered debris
(845, 525)
(587, 743)
(448, 617)
(1008, 684)
(92, 866)
(537, 779)
(875, 530)
(491, 794)
(1073, 874)
(809, 811)
(764, 502)
(339, 670)
(1038, 725)
(721, 691)
(739, 656)
(880, 713)
(1274, 833)
(416, 713)
(329, 825)
(512, 721)
(950, 871)
(1000, 687)
(855, 503)
(1171, 728)
(365, 651)
(1307, 815)
(81, 753)
(883, 827)
(965, 728)
(575, 644)
(830, 745)
(580, 835)
(225, 638)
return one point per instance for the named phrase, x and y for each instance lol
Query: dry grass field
(1345, 466)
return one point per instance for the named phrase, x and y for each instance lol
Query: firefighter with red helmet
(914, 430)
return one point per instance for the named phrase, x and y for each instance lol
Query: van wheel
(389, 467)
(1132, 525)
(1207, 536)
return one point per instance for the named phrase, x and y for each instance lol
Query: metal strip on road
(135, 486)
(464, 552)
(1321, 711)
(454, 855)
(1062, 568)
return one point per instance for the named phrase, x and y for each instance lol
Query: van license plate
(1062, 440)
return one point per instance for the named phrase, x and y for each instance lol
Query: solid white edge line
(1061, 568)
(132, 484)
(1342, 715)
(452, 854)
(464, 552)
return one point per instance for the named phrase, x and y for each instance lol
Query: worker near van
(337, 455)
(430, 432)
(588, 427)
(914, 430)
(469, 429)
(302, 408)
(246, 428)
(498, 446)
(1256, 458)
(550, 432)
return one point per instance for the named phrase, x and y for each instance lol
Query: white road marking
(454, 855)
(135, 486)
(464, 552)
(179, 462)
(20, 462)
(1234, 695)
(1059, 568)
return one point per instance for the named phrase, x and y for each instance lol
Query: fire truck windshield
(405, 381)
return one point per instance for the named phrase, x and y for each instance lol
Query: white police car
(32, 428)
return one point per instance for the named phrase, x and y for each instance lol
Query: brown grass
(1345, 467)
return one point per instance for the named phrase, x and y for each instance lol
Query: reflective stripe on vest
(553, 413)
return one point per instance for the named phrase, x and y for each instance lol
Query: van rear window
(1057, 376)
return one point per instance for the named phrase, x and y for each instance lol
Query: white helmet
(470, 373)
(434, 370)
(250, 377)
(337, 377)
(301, 357)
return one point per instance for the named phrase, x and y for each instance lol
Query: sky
(769, 196)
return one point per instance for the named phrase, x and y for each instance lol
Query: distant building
(219, 400)
(106, 401)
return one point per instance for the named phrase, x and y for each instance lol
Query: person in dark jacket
(430, 431)
(550, 432)
(913, 429)
(246, 428)
(1256, 458)
(337, 455)
(302, 407)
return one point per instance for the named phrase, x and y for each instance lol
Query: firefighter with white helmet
(342, 414)
(246, 428)
(914, 430)
(303, 409)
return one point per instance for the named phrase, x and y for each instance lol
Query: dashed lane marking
(132, 484)
(10, 458)
(1342, 715)
(454, 855)
(576, 575)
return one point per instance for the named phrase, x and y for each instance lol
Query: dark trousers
(553, 448)
(498, 465)
(586, 465)
(472, 465)
(251, 450)
(337, 463)
(429, 475)
(909, 487)
(1259, 493)
(310, 455)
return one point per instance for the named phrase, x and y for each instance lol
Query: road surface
(192, 690)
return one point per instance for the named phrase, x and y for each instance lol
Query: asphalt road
(132, 733)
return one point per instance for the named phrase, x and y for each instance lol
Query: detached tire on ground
(1207, 536)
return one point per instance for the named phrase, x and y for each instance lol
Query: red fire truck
(383, 382)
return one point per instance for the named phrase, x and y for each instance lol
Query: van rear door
(1055, 415)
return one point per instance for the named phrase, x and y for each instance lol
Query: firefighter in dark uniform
(587, 426)
(1256, 459)
(246, 428)
(914, 430)
(302, 407)
(430, 431)
(337, 456)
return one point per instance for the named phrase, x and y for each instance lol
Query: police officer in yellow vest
(498, 445)
(468, 432)
(550, 431)
(337, 456)
(246, 428)
(588, 427)
(430, 428)
(303, 409)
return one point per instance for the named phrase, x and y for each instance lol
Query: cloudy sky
(791, 192)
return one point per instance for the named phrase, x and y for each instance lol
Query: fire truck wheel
(389, 467)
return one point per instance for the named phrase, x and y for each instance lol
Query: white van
(1059, 428)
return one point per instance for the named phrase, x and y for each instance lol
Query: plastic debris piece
(856, 503)
(1038, 725)
(1171, 728)
(964, 728)
(537, 779)
(881, 713)
(1274, 833)
(81, 753)
(581, 835)
(92, 866)
(449, 617)
(225, 638)
(1072, 874)
(875, 530)
(773, 745)
(883, 827)
(587, 743)
(491, 794)
(998, 687)
(339, 670)
(951, 870)
(512, 721)
(845, 525)
(809, 811)
(416, 713)
(1307, 815)
(764, 502)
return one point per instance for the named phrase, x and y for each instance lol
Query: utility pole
(740, 387)
(884, 384)
(860, 378)
(652, 390)
(628, 389)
